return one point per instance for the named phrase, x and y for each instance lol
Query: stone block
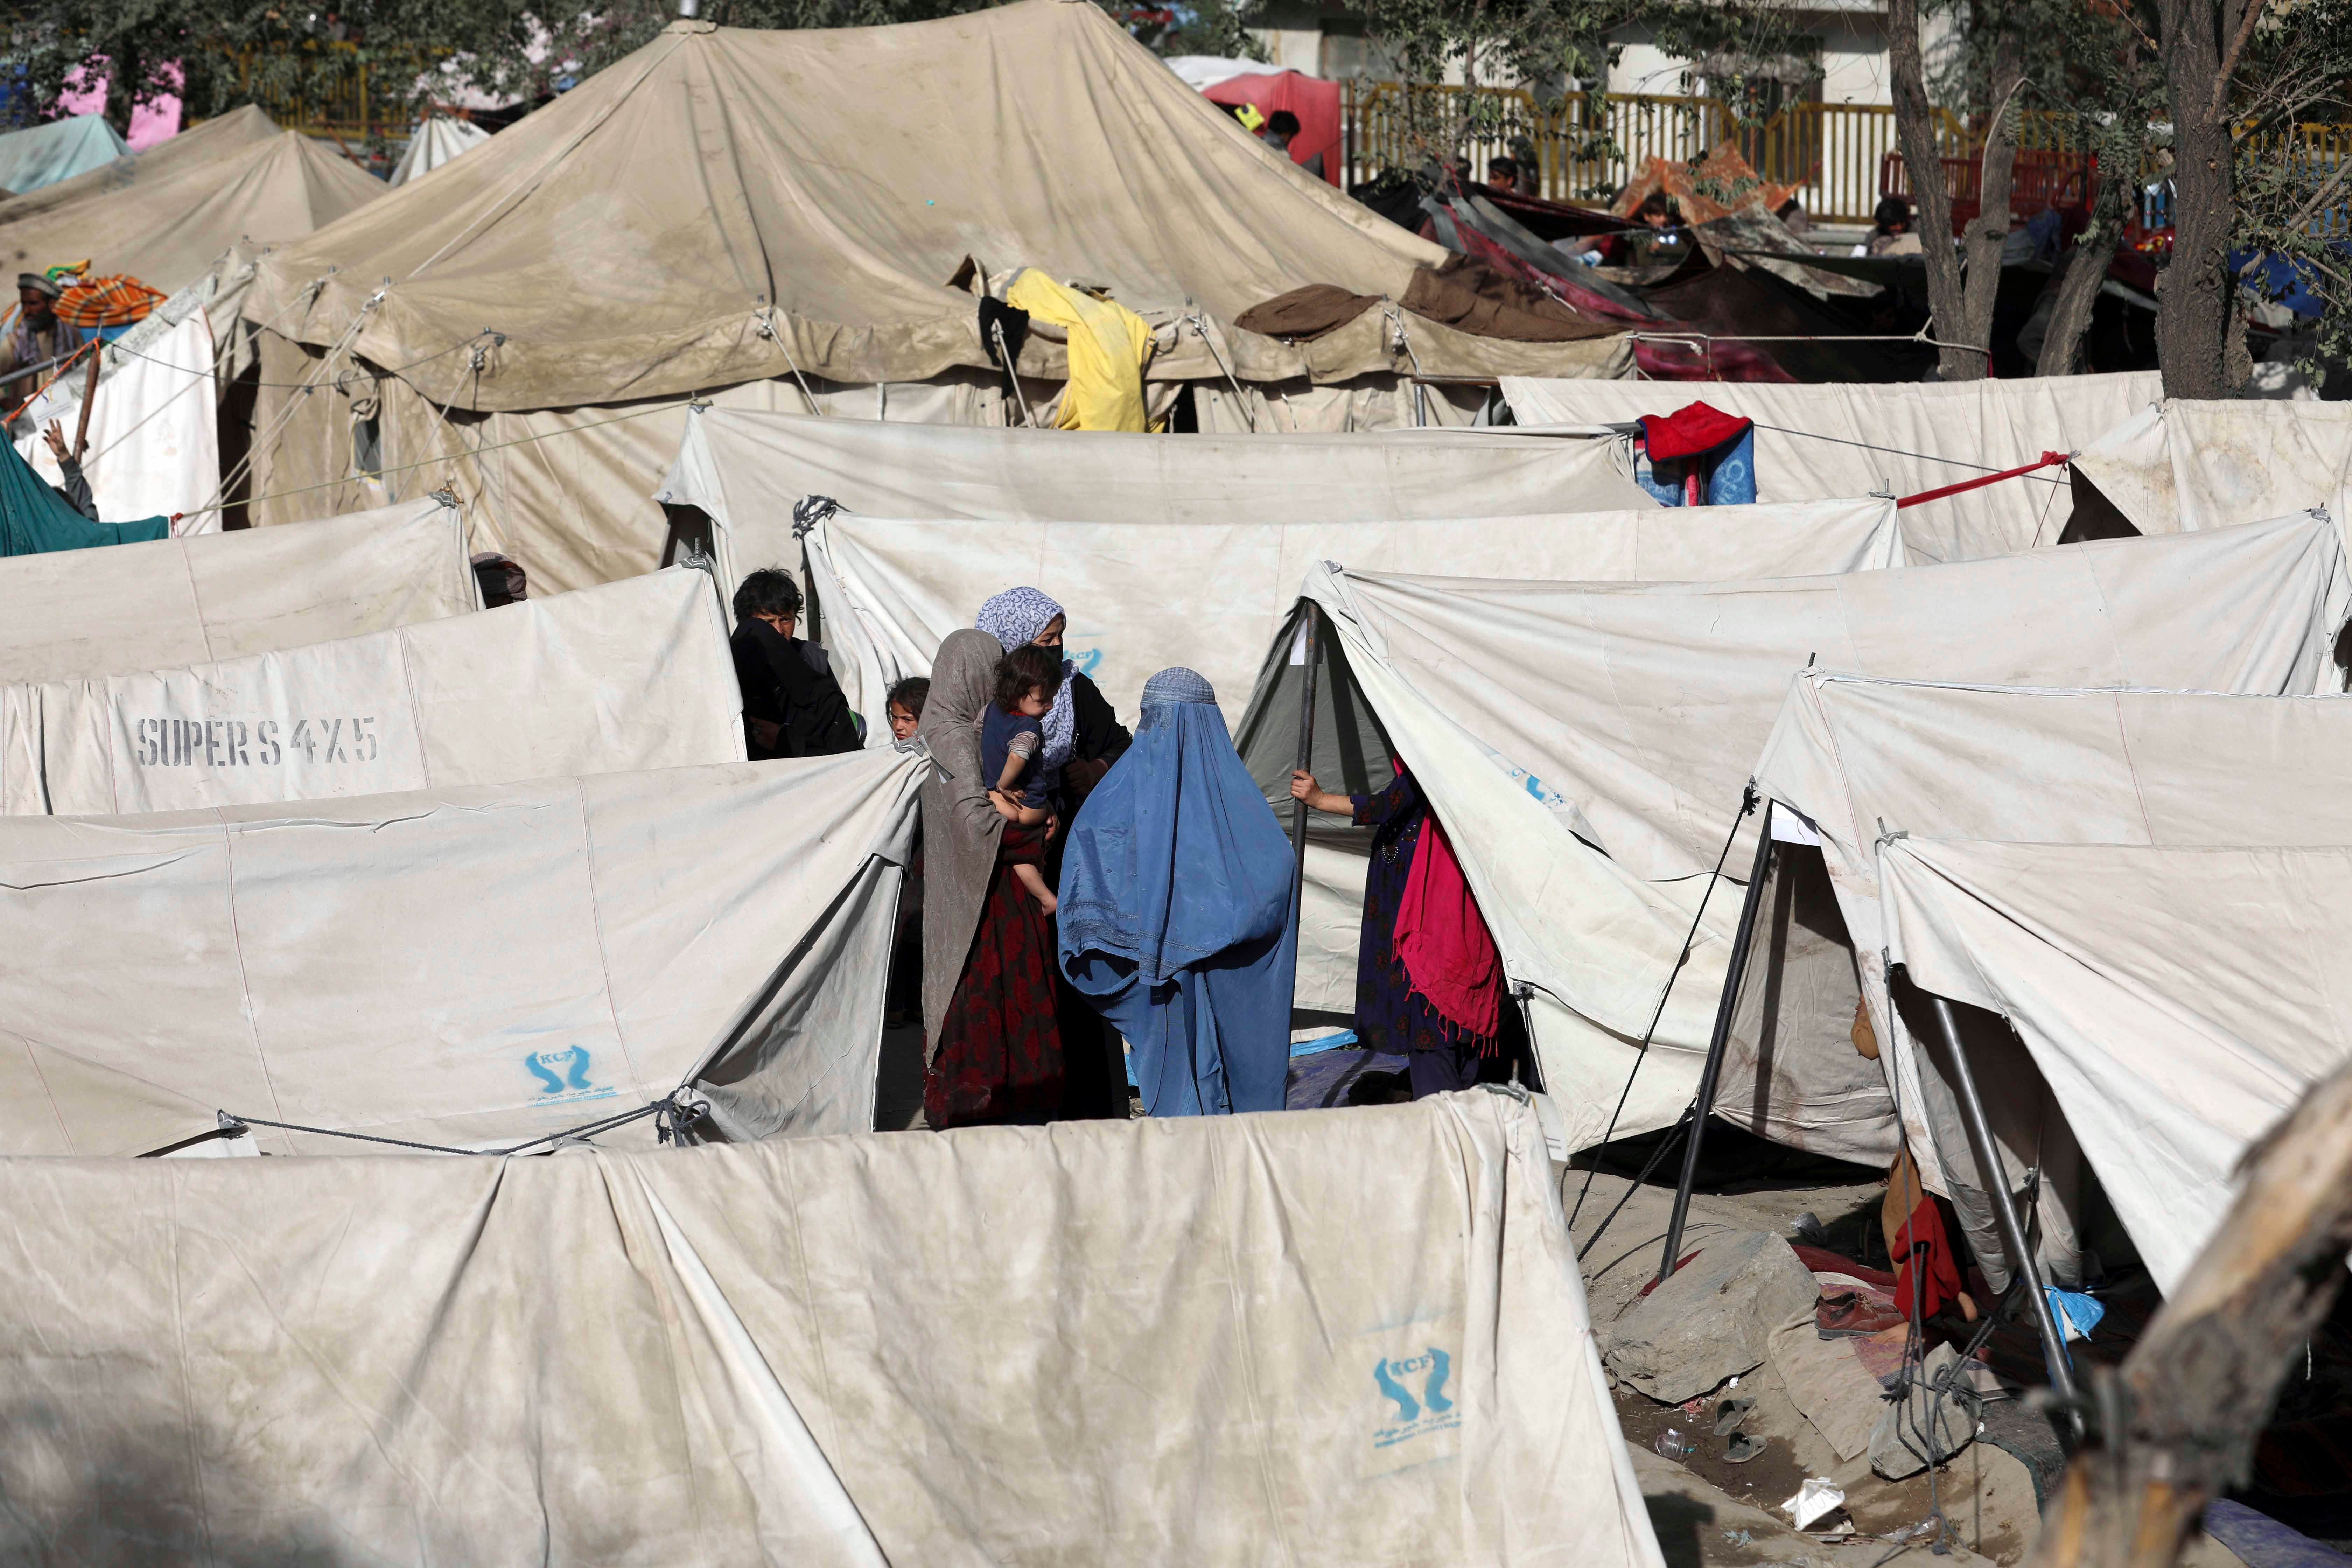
(1713, 1320)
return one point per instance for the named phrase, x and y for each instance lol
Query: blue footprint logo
(1407, 1407)
(542, 1065)
(1432, 1393)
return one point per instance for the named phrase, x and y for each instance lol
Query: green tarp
(35, 519)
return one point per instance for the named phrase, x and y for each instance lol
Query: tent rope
(673, 1118)
(1891, 451)
(1747, 802)
(1199, 323)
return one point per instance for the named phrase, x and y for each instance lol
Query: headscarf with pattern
(1015, 618)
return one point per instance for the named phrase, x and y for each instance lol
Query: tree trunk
(2078, 292)
(2192, 294)
(1989, 235)
(1915, 131)
(123, 70)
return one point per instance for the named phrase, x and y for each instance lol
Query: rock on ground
(1713, 1320)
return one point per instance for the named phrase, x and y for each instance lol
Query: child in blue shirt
(1012, 744)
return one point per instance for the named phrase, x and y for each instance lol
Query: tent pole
(1720, 1040)
(1996, 1184)
(1306, 765)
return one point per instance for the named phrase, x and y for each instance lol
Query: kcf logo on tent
(1413, 1401)
(564, 1075)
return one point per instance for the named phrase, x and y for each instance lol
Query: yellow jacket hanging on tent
(1110, 346)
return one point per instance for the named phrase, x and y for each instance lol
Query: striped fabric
(112, 301)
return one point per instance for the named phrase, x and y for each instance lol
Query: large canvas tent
(41, 155)
(745, 472)
(1352, 1337)
(627, 245)
(1855, 759)
(86, 613)
(469, 967)
(1902, 438)
(2187, 464)
(1212, 595)
(614, 680)
(1587, 745)
(167, 215)
(2180, 1001)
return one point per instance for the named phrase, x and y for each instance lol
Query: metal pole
(1996, 1182)
(1721, 1038)
(1305, 765)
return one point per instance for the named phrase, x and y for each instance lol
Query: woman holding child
(988, 995)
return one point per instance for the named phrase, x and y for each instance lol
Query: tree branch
(2230, 59)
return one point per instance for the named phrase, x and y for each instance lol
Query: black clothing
(1094, 1063)
(792, 707)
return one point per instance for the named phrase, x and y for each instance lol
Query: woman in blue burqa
(1175, 911)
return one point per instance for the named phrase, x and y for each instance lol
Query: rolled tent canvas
(1587, 745)
(626, 245)
(188, 601)
(1351, 1337)
(41, 155)
(476, 966)
(166, 214)
(2179, 1000)
(1211, 595)
(436, 140)
(2189, 465)
(612, 680)
(1856, 758)
(1851, 439)
(153, 432)
(746, 471)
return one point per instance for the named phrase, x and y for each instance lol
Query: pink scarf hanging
(1448, 953)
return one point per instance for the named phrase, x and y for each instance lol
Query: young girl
(905, 705)
(1010, 736)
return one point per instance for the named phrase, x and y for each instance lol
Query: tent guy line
(1897, 451)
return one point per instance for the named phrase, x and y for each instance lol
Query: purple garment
(997, 729)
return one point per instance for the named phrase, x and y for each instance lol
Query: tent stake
(1719, 1041)
(2004, 1210)
(1306, 765)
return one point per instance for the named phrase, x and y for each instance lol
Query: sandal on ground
(1742, 1448)
(1729, 1413)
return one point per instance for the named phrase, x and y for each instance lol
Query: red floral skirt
(1000, 1047)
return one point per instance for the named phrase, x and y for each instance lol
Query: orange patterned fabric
(112, 301)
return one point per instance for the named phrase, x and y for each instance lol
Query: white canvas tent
(154, 436)
(1851, 439)
(1587, 744)
(1211, 595)
(471, 967)
(2179, 1000)
(436, 140)
(577, 278)
(76, 614)
(2187, 465)
(1855, 758)
(1101, 1342)
(745, 471)
(613, 679)
(42, 154)
(165, 216)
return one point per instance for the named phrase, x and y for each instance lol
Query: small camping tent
(1846, 439)
(632, 676)
(476, 966)
(1587, 746)
(1362, 1333)
(223, 595)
